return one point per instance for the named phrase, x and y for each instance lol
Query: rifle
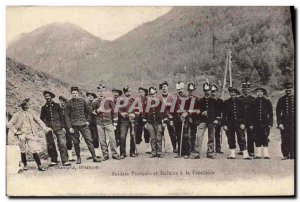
(131, 119)
(181, 137)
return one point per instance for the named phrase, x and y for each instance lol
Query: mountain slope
(55, 48)
(193, 37)
(24, 82)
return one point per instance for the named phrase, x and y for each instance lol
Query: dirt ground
(143, 176)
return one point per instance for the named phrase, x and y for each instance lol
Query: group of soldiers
(104, 123)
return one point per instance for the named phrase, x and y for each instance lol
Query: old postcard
(150, 101)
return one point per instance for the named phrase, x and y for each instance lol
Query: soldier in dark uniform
(153, 119)
(52, 116)
(140, 126)
(167, 99)
(234, 124)
(266, 96)
(261, 120)
(117, 93)
(127, 122)
(247, 100)
(285, 113)
(208, 120)
(77, 117)
(218, 134)
(63, 102)
(93, 126)
(180, 117)
(193, 114)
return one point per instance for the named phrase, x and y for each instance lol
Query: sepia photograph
(150, 101)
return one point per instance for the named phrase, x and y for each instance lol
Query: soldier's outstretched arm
(39, 121)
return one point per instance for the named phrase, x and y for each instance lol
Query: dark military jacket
(193, 109)
(126, 109)
(154, 114)
(144, 105)
(220, 104)
(52, 116)
(77, 112)
(247, 101)
(261, 113)
(285, 110)
(233, 112)
(211, 106)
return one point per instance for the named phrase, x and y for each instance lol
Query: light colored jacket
(18, 119)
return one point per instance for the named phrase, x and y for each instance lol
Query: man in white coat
(21, 125)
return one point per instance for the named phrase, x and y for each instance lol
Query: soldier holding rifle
(180, 117)
(167, 100)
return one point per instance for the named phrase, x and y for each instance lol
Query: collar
(165, 95)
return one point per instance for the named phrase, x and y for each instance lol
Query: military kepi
(74, 88)
(246, 84)
(288, 85)
(179, 85)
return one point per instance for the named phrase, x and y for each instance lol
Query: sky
(107, 23)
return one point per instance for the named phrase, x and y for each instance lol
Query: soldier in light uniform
(234, 123)
(69, 143)
(127, 122)
(167, 99)
(218, 138)
(261, 120)
(247, 100)
(21, 125)
(153, 119)
(208, 120)
(285, 113)
(180, 116)
(117, 93)
(107, 121)
(52, 116)
(140, 126)
(77, 117)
